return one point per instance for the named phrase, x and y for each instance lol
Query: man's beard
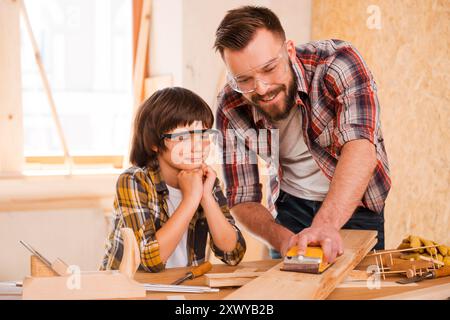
(287, 104)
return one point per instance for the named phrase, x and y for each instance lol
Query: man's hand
(324, 235)
(351, 177)
(191, 185)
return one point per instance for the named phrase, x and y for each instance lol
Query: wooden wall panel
(408, 56)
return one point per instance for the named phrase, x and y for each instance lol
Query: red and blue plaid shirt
(338, 101)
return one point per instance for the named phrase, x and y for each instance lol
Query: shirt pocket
(324, 139)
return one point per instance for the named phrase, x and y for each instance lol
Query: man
(321, 97)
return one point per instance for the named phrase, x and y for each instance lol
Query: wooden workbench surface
(359, 293)
(170, 275)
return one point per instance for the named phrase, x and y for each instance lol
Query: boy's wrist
(190, 202)
(208, 198)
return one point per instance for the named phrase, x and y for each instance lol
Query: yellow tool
(310, 262)
(196, 272)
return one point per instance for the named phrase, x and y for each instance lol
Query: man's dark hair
(239, 26)
(165, 110)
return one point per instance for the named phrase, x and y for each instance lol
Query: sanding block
(311, 262)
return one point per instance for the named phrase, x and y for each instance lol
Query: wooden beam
(141, 59)
(114, 160)
(140, 68)
(46, 85)
(136, 13)
(276, 284)
(11, 123)
(103, 202)
(34, 193)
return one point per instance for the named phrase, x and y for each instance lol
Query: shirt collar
(155, 175)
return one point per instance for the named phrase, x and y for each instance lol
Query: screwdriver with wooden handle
(433, 274)
(195, 272)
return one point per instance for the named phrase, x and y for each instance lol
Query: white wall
(77, 236)
(183, 34)
(166, 49)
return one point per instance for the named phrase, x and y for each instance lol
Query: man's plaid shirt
(141, 204)
(336, 94)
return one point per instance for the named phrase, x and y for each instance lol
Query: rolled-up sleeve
(357, 109)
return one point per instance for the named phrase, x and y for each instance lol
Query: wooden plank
(231, 279)
(234, 275)
(92, 285)
(357, 275)
(440, 292)
(227, 282)
(11, 125)
(383, 284)
(277, 284)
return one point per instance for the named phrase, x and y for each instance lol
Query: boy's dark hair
(165, 110)
(239, 26)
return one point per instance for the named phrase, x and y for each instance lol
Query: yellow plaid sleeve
(235, 256)
(135, 203)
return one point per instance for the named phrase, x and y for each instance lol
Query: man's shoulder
(323, 50)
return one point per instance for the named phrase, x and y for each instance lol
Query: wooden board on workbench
(282, 285)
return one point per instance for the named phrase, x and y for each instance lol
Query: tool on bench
(433, 274)
(196, 272)
(37, 254)
(311, 262)
(59, 267)
(59, 281)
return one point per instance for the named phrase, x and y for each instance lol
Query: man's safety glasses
(268, 73)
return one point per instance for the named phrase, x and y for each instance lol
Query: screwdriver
(196, 272)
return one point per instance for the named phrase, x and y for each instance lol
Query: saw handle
(442, 272)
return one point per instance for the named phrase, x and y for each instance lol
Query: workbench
(358, 293)
(170, 275)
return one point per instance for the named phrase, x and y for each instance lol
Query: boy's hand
(191, 185)
(209, 178)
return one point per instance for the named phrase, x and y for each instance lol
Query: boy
(170, 198)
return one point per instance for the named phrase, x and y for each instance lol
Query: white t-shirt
(302, 176)
(179, 257)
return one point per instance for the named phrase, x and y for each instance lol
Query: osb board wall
(408, 56)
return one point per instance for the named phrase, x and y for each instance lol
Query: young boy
(170, 198)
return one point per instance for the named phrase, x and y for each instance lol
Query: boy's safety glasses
(183, 136)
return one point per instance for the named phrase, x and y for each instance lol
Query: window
(86, 49)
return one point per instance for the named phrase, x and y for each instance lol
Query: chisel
(196, 272)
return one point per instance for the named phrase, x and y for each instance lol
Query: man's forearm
(351, 177)
(259, 221)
